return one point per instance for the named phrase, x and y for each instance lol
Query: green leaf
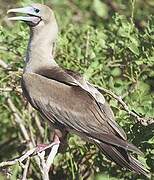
(143, 87)
(133, 48)
(116, 72)
(100, 8)
(134, 40)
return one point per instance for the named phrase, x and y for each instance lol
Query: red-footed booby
(65, 98)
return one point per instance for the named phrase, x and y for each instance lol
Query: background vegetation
(111, 42)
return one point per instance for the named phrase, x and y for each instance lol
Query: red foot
(41, 147)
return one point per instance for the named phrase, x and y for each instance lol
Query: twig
(14, 110)
(38, 123)
(87, 44)
(24, 177)
(18, 120)
(44, 169)
(47, 164)
(143, 120)
(28, 111)
(8, 89)
(52, 155)
(18, 160)
(29, 153)
(3, 64)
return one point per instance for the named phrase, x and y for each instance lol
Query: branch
(24, 177)
(44, 169)
(9, 89)
(47, 164)
(143, 120)
(31, 152)
(53, 152)
(18, 120)
(34, 116)
(18, 160)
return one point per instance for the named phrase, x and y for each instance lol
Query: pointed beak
(32, 16)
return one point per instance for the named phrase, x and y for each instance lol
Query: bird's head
(35, 15)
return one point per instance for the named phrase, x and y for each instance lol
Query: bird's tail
(122, 158)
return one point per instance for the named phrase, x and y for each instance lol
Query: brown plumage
(65, 98)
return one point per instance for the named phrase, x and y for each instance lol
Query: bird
(64, 97)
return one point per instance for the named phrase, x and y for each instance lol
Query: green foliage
(112, 45)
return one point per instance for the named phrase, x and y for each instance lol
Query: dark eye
(37, 10)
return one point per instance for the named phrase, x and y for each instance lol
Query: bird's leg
(46, 162)
(56, 140)
(59, 136)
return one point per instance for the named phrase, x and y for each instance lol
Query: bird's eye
(37, 10)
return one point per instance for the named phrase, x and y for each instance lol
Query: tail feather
(138, 166)
(116, 141)
(122, 158)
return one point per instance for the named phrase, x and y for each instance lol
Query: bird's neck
(40, 48)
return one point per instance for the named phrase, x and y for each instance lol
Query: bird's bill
(32, 15)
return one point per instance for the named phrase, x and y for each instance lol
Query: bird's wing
(104, 106)
(75, 79)
(72, 107)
